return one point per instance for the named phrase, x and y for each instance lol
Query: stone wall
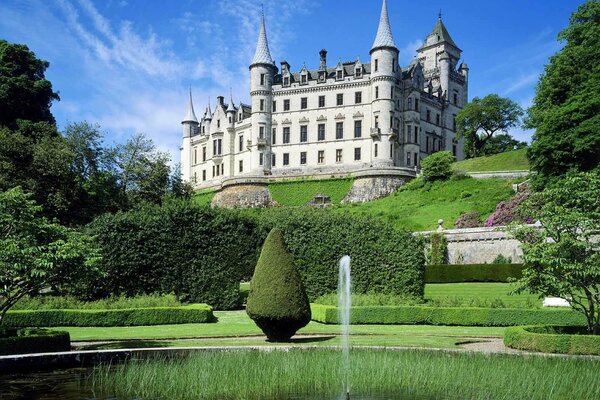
(243, 196)
(373, 188)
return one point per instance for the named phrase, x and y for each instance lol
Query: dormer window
(321, 76)
(339, 74)
(358, 73)
(286, 81)
(303, 79)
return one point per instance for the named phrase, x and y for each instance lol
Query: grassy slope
(418, 209)
(299, 193)
(510, 161)
(203, 198)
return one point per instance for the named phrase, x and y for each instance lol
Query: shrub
(69, 302)
(501, 259)
(194, 313)
(437, 166)
(369, 299)
(552, 339)
(277, 301)
(468, 220)
(22, 341)
(508, 212)
(384, 260)
(198, 253)
(472, 273)
(438, 252)
(463, 316)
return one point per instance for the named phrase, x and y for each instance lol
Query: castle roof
(262, 54)
(190, 116)
(439, 34)
(384, 36)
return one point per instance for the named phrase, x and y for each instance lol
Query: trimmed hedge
(463, 316)
(552, 339)
(21, 341)
(384, 260)
(472, 273)
(195, 313)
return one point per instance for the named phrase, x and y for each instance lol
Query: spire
(439, 34)
(262, 54)
(190, 116)
(230, 107)
(384, 32)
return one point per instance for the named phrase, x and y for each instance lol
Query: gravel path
(489, 346)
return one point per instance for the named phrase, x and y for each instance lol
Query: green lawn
(299, 193)
(480, 292)
(510, 161)
(419, 208)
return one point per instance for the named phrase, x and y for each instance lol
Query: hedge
(195, 313)
(23, 341)
(463, 316)
(383, 259)
(552, 339)
(472, 273)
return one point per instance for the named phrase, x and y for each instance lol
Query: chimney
(323, 57)
(221, 100)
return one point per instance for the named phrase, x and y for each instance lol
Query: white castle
(334, 120)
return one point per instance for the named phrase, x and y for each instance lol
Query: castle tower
(262, 72)
(190, 128)
(384, 72)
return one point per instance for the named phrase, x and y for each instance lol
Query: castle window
(392, 93)
(261, 132)
(204, 153)
(262, 105)
(241, 167)
(286, 81)
(321, 157)
(358, 73)
(241, 143)
(357, 97)
(454, 149)
(286, 134)
(203, 175)
(303, 133)
(408, 129)
(357, 154)
(357, 128)
(376, 65)
(273, 134)
(392, 150)
(416, 135)
(274, 106)
(427, 144)
(218, 169)
(376, 148)
(340, 99)
(408, 159)
(338, 155)
(377, 122)
(239, 119)
(203, 130)
(273, 160)
(321, 101)
(302, 157)
(393, 65)
(286, 158)
(339, 130)
(339, 74)
(222, 169)
(409, 103)
(213, 171)
(416, 104)
(322, 76)
(376, 92)
(437, 119)
(195, 179)
(303, 79)
(229, 119)
(304, 103)
(321, 132)
(454, 122)
(286, 105)
(455, 99)
(195, 155)
(416, 159)
(428, 117)
(218, 123)
(262, 79)
(260, 158)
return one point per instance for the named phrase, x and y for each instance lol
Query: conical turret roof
(439, 34)
(384, 36)
(190, 116)
(262, 54)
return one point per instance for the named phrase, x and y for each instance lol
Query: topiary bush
(437, 166)
(277, 301)
(438, 252)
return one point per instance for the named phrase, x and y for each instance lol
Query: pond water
(75, 384)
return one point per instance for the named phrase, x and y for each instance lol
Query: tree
(277, 301)
(479, 120)
(437, 166)
(562, 258)
(566, 108)
(36, 254)
(502, 143)
(25, 93)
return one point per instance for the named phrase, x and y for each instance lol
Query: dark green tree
(277, 301)
(25, 93)
(502, 143)
(437, 166)
(481, 119)
(566, 109)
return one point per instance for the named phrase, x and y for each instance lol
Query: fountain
(344, 303)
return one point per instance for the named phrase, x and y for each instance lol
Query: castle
(333, 120)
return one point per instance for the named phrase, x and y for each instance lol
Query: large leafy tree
(36, 254)
(25, 93)
(562, 258)
(481, 119)
(566, 109)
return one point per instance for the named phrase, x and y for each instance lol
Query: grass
(418, 206)
(377, 374)
(299, 193)
(203, 198)
(510, 161)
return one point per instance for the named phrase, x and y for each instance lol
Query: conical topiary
(277, 301)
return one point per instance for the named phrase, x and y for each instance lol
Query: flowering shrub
(468, 220)
(508, 211)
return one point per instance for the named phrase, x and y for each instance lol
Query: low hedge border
(22, 341)
(472, 273)
(463, 316)
(194, 313)
(552, 339)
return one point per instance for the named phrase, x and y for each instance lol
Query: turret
(464, 71)
(444, 65)
(384, 73)
(262, 72)
(231, 111)
(190, 128)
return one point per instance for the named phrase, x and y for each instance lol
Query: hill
(510, 161)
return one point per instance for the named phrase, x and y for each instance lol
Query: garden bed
(20, 341)
(552, 339)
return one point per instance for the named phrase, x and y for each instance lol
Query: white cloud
(521, 82)
(409, 51)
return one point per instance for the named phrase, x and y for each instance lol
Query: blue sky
(128, 64)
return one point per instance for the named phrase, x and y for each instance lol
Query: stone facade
(332, 119)
(243, 196)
